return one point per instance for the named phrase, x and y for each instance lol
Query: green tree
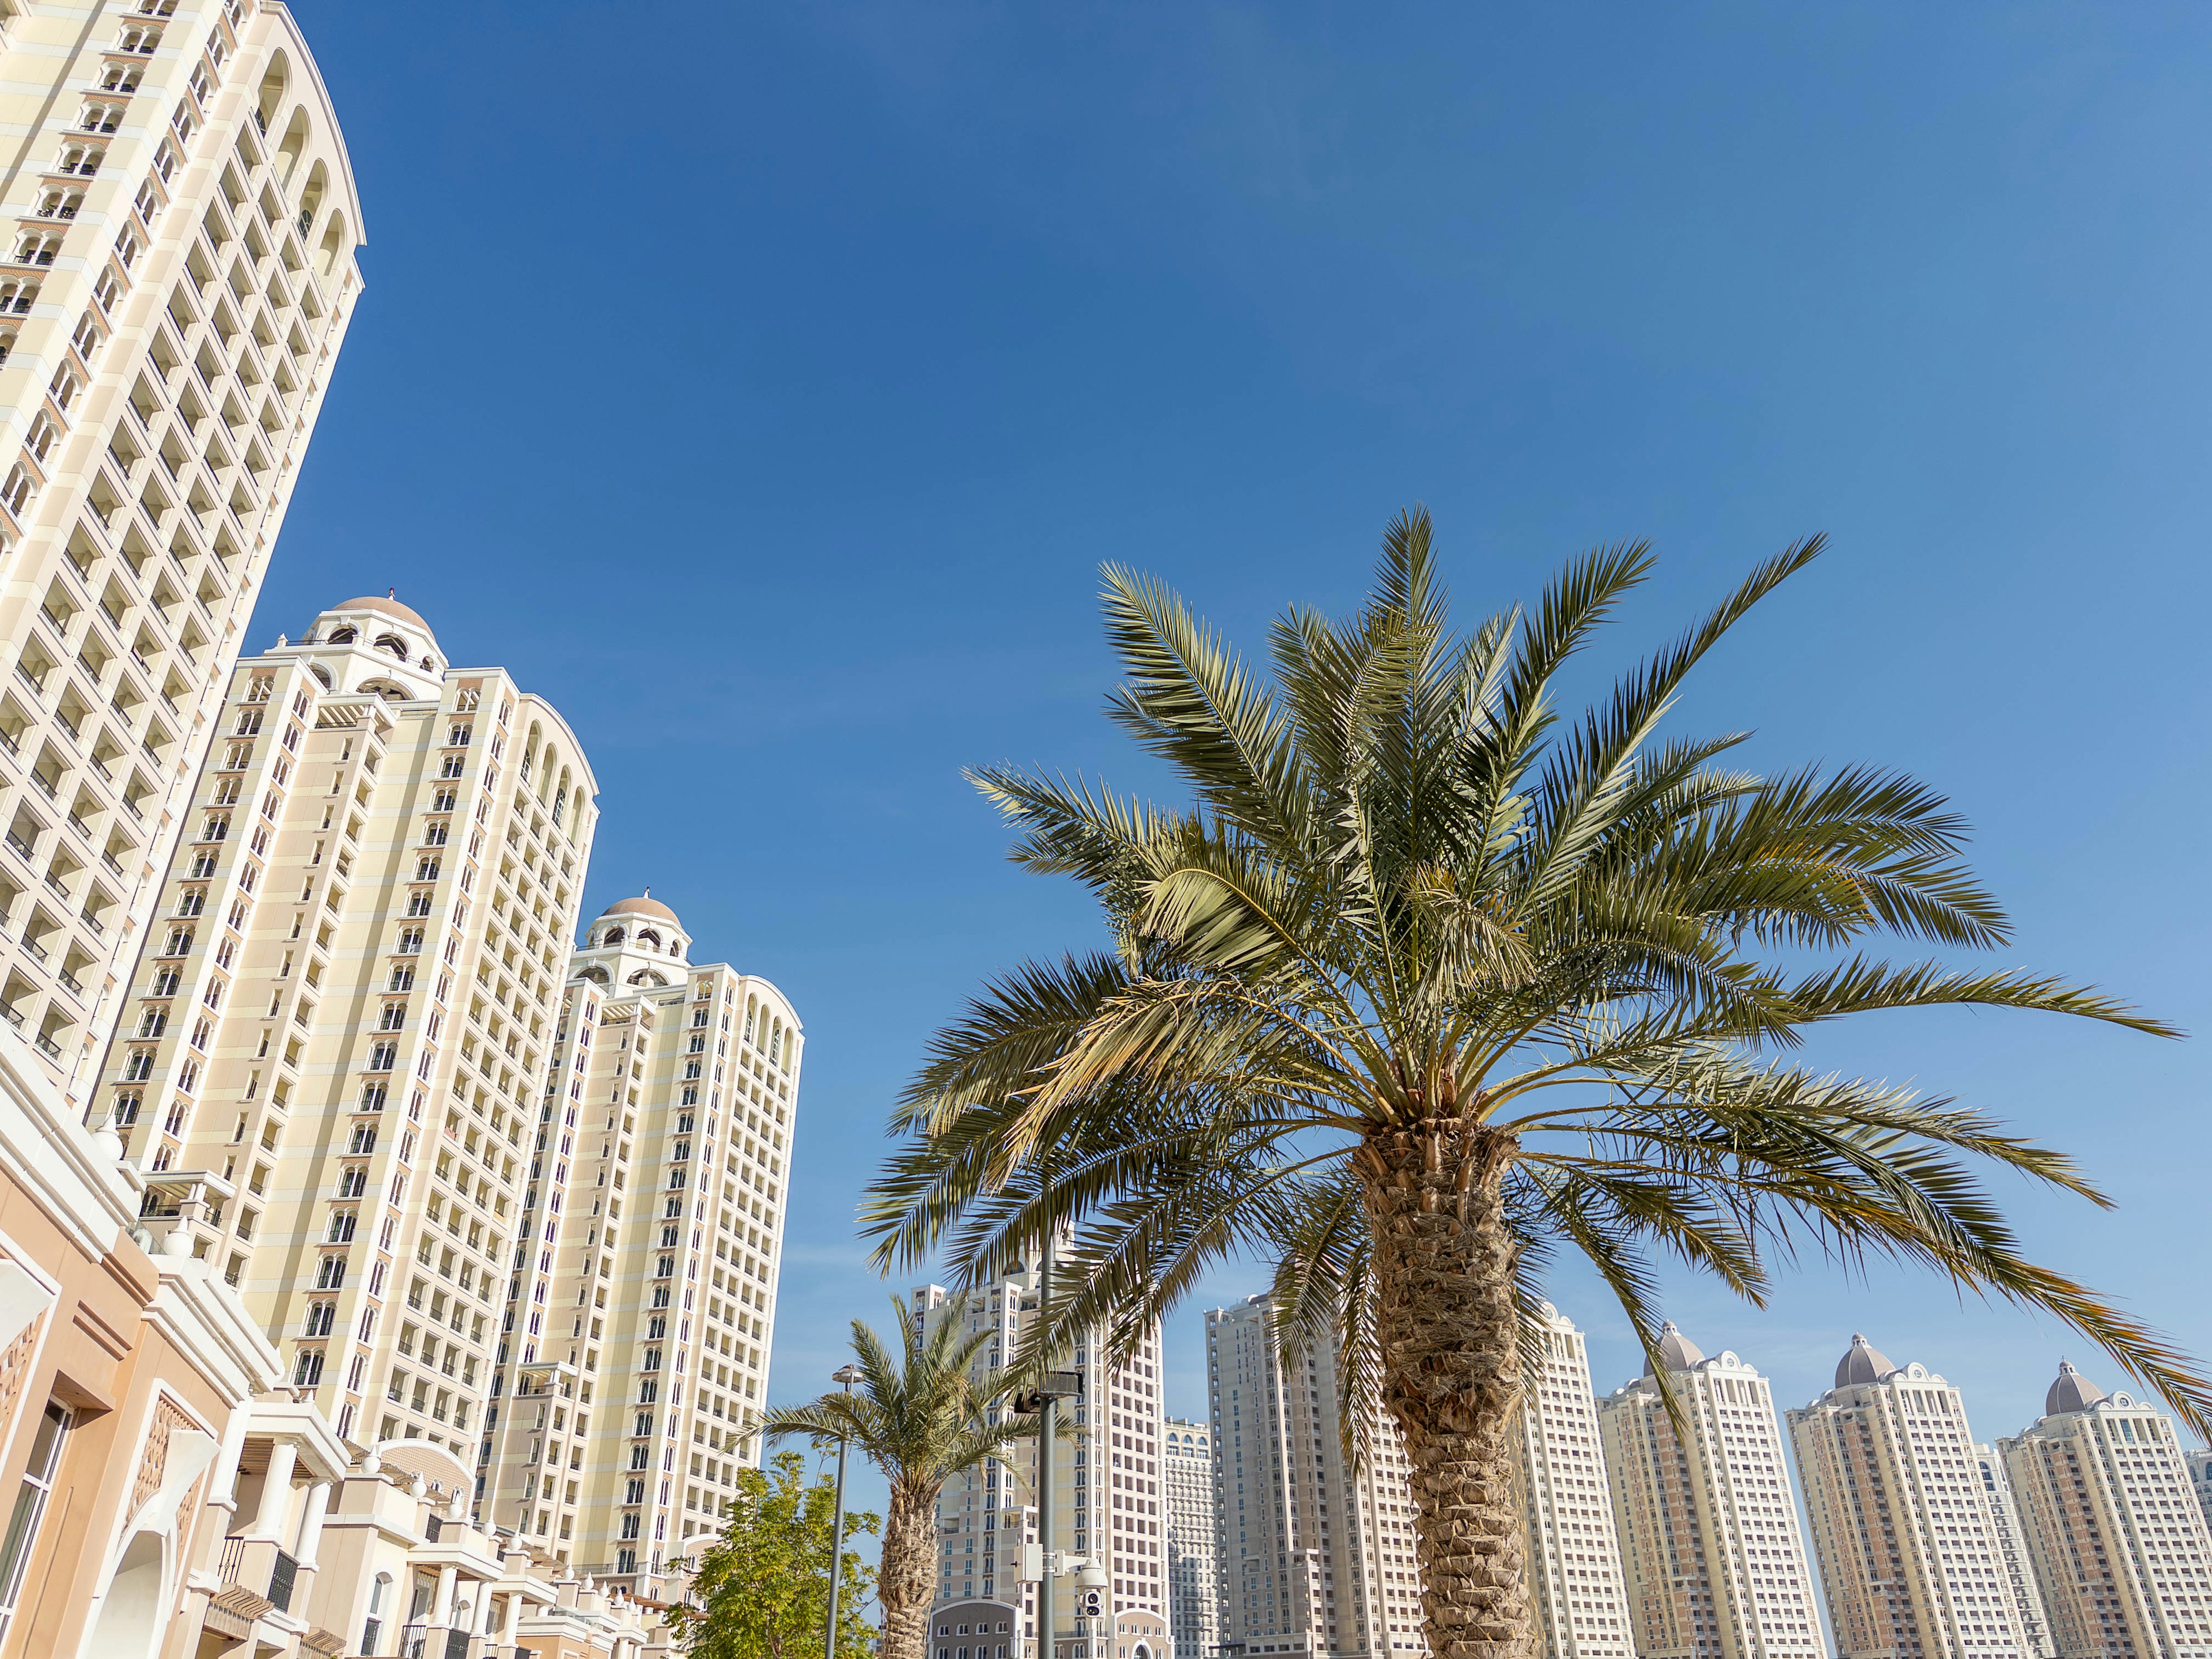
(920, 1416)
(1424, 984)
(762, 1589)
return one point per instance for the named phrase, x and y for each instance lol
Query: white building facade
(2114, 1526)
(1911, 1550)
(1717, 1565)
(1576, 1585)
(1315, 1556)
(334, 1048)
(1110, 1502)
(1194, 1578)
(642, 1307)
(174, 286)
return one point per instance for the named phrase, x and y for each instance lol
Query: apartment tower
(1911, 1552)
(176, 284)
(2012, 1542)
(334, 1047)
(1194, 1581)
(1315, 1556)
(2113, 1527)
(642, 1300)
(1569, 1546)
(1110, 1501)
(1717, 1567)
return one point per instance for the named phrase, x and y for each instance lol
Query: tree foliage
(761, 1589)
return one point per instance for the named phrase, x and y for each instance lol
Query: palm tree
(921, 1419)
(1424, 986)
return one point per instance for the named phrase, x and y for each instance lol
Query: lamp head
(848, 1375)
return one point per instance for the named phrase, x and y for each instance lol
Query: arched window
(272, 92)
(320, 673)
(615, 937)
(776, 1044)
(293, 146)
(398, 647)
(598, 976)
(347, 636)
(334, 243)
(675, 948)
(752, 1010)
(647, 976)
(647, 936)
(560, 799)
(310, 197)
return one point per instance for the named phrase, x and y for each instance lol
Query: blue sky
(765, 385)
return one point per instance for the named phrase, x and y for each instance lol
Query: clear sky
(765, 385)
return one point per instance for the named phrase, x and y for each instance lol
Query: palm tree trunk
(908, 1573)
(1447, 1324)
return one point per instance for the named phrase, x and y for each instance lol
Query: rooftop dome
(640, 907)
(1864, 1364)
(1677, 1350)
(388, 607)
(2072, 1392)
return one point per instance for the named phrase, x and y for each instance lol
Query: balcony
(47, 1045)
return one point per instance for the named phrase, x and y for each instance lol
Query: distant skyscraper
(2113, 1527)
(1193, 1585)
(1575, 1578)
(1911, 1552)
(1108, 1500)
(179, 279)
(1716, 1567)
(2019, 1570)
(2200, 1476)
(1314, 1560)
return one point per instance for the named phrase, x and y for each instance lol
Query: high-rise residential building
(2113, 1527)
(1194, 1582)
(1108, 1504)
(1717, 1567)
(2012, 1542)
(2200, 1477)
(1316, 1556)
(176, 284)
(1570, 1548)
(1912, 1551)
(641, 1305)
(333, 1051)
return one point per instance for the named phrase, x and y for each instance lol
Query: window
(411, 941)
(308, 1372)
(383, 1056)
(393, 1019)
(31, 1507)
(330, 1276)
(460, 734)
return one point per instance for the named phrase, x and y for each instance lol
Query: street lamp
(847, 1375)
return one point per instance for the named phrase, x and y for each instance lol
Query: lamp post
(847, 1375)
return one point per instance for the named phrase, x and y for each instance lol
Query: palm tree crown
(1425, 985)
(920, 1417)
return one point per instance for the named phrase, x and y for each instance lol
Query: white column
(224, 1494)
(311, 1524)
(441, 1605)
(276, 1491)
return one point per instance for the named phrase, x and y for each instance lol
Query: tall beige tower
(173, 289)
(1716, 1567)
(1911, 1549)
(1110, 1501)
(633, 1358)
(2113, 1528)
(334, 1048)
(1317, 1556)
(1575, 1581)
